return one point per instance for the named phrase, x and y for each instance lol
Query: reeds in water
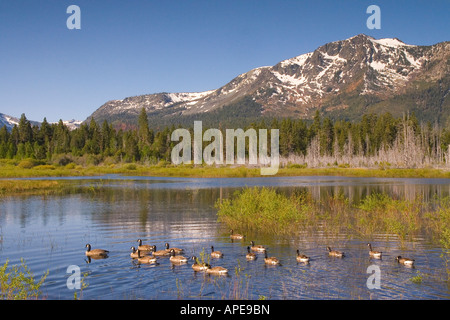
(269, 211)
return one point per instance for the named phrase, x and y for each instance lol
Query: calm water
(50, 233)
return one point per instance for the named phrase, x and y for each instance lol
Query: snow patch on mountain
(393, 43)
(299, 60)
(187, 96)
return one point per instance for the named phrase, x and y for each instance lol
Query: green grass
(381, 213)
(27, 168)
(261, 209)
(440, 222)
(44, 187)
(8, 187)
(418, 278)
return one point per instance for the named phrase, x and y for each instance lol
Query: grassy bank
(24, 168)
(43, 187)
(8, 187)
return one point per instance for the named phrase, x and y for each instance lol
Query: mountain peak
(347, 74)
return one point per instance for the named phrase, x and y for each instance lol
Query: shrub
(441, 222)
(11, 162)
(70, 165)
(88, 160)
(61, 159)
(19, 282)
(26, 164)
(297, 165)
(400, 217)
(110, 161)
(259, 209)
(45, 167)
(130, 166)
(161, 163)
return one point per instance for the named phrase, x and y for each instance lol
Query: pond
(50, 233)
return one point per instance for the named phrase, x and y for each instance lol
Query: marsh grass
(417, 279)
(36, 187)
(33, 168)
(440, 224)
(239, 289)
(203, 257)
(46, 187)
(268, 211)
(10, 169)
(260, 209)
(381, 213)
(8, 187)
(83, 285)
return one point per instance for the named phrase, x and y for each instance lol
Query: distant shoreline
(135, 169)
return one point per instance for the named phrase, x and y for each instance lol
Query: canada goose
(236, 236)
(250, 255)
(137, 253)
(199, 266)
(177, 250)
(335, 253)
(217, 271)
(160, 252)
(302, 257)
(258, 248)
(270, 260)
(145, 258)
(216, 254)
(374, 254)
(177, 259)
(143, 247)
(96, 252)
(405, 261)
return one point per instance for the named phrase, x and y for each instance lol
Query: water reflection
(321, 186)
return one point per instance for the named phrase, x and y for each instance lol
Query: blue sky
(128, 48)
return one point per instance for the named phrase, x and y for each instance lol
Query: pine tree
(143, 129)
(61, 139)
(93, 141)
(144, 139)
(25, 131)
(4, 135)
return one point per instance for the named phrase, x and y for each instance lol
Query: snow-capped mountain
(343, 78)
(10, 122)
(72, 124)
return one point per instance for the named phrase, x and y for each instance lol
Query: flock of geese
(145, 253)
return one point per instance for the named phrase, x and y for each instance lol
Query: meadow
(28, 168)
